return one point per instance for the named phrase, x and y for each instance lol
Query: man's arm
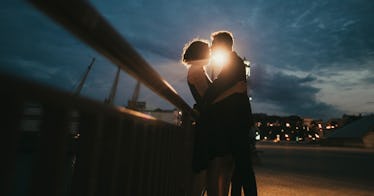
(226, 79)
(239, 87)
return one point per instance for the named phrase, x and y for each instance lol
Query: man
(233, 119)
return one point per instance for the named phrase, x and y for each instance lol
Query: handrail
(20, 88)
(83, 20)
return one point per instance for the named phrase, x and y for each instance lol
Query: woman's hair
(197, 49)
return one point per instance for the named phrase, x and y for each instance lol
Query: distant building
(136, 105)
(308, 121)
(359, 133)
(276, 128)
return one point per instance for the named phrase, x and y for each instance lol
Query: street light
(247, 67)
(247, 64)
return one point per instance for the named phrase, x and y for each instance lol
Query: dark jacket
(228, 122)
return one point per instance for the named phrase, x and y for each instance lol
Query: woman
(195, 56)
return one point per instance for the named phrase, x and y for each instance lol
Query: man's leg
(248, 175)
(236, 182)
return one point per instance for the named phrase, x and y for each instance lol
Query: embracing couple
(222, 146)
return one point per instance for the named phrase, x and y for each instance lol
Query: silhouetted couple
(222, 147)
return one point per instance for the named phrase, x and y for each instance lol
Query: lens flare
(219, 57)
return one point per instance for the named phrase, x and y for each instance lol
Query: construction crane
(83, 80)
(134, 103)
(113, 91)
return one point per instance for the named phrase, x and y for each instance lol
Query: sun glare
(219, 57)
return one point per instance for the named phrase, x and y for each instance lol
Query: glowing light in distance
(246, 62)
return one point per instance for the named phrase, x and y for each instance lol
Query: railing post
(87, 158)
(109, 136)
(164, 152)
(10, 118)
(125, 159)
(187, 147)
(139, 161)
(158, 160)
(146, 171)
(49, 176)
(133, 156)
(152, 161)
(117, 153)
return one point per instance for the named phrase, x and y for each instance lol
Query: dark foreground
(313, 170)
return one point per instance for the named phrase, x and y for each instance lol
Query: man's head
(222, 40)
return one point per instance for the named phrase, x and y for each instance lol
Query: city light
(258, 136)
(293, 129)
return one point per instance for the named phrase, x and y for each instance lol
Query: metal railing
(118, 151)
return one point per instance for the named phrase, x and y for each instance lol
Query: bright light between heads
(219, 57)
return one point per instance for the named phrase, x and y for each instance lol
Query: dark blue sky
(309, 58)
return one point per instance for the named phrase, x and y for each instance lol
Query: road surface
(314, 170)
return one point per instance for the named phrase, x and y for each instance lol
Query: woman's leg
(212, 177)
(228, 169)
(199, 183)
(218, 175)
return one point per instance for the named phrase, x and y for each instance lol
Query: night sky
(309, 58)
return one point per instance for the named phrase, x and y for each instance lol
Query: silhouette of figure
(232, 116)
(195, 56)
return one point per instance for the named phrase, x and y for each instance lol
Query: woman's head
(196, 51)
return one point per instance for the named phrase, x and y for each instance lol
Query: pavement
(314, 170)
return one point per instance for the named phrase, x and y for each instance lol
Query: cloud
(368, 77)
(264, 29)
(290, 94)
(296, 68)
